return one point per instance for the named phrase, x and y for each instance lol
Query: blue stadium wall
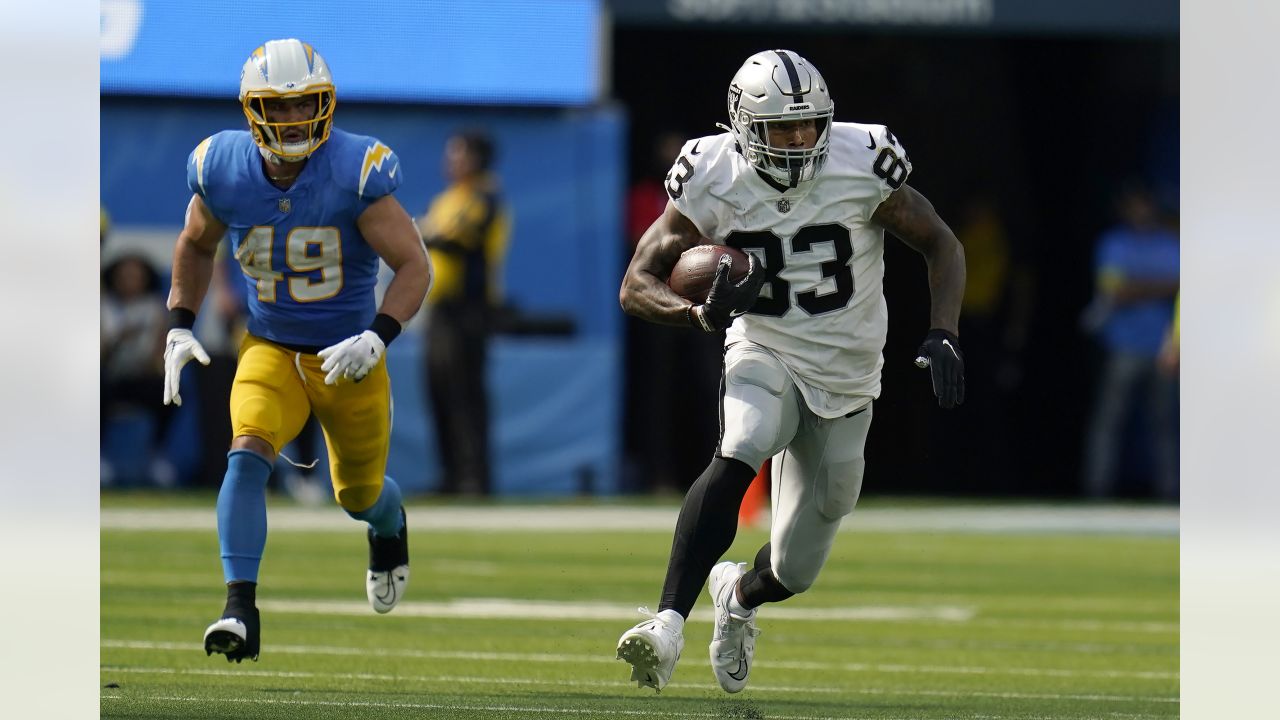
(555, 400)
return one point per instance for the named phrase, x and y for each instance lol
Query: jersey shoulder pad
(703, 165)
(872, 150)
(364, 165)
(700, 179)
(211, 162)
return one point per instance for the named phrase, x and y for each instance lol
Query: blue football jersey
(310, 273)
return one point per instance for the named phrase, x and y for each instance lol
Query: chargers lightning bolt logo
(198, 155)
(373, 158)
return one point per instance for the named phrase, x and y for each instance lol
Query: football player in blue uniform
(309, 211)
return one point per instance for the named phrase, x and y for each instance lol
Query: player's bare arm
(910, 217)
(391, 233)
(645, 293)
(193, 256)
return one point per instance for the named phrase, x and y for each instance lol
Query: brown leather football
(694, 272)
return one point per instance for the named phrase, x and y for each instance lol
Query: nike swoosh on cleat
(741, 672)
(389, 595)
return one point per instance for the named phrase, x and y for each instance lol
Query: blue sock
(384, 516)
(242, 515)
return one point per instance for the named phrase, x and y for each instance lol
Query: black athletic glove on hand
(728, 300)
(940, 352)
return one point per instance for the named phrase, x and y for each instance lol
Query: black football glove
(940, 352)
(727, 299)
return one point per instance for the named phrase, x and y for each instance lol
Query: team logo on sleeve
(199, 154)
(373, 157)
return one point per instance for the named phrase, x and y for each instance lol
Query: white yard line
(517, 609)
(594, 659)
(511, 609)
(1155, 628)
(472, 680)
(960, 518)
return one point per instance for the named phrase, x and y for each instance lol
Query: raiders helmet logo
(735, 99)
(784, 206)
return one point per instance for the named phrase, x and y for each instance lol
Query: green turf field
(523, 623)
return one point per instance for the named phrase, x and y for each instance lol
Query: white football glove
(179, 348)
(352, 358)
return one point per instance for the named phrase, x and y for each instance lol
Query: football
(694, 272)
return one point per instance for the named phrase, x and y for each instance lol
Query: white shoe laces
(659, 626)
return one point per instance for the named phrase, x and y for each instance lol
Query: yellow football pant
(276, 388)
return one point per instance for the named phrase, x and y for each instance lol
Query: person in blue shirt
(1136, 280)
(309, 212)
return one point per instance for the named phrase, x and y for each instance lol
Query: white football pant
(817, 462)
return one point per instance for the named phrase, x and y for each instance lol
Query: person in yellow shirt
(466, 230)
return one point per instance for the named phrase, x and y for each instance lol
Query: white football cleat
(733, 641)
(385, 588)
(388, 573)
(652, 648)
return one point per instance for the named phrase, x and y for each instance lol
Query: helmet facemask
(273, 135)
(779, 86)
(284, 71)
(788, 165)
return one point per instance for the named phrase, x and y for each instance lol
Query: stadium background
(1043, 109)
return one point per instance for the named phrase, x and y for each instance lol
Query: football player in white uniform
(808, 199)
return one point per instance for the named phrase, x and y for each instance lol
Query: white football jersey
(821, 309)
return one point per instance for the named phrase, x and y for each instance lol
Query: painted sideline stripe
(470, 708)
(462, 679)
(593, 659)
(960, 518)
(580, 711)
(502, 608)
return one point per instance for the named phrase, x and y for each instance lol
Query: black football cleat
(237, 634)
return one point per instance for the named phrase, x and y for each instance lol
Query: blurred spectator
(1170, 358)
(134, 323)
(647, 197)
(466, 229)
(994, 322)
(1136, 281)
(998, 293)
(668, 435)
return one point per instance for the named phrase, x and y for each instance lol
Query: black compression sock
(758, 585)
(707, 525)
(242, 595)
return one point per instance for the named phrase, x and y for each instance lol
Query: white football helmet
(287, 69)
(780, 86)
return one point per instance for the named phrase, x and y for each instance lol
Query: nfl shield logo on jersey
(284, 205)
(784, 206)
